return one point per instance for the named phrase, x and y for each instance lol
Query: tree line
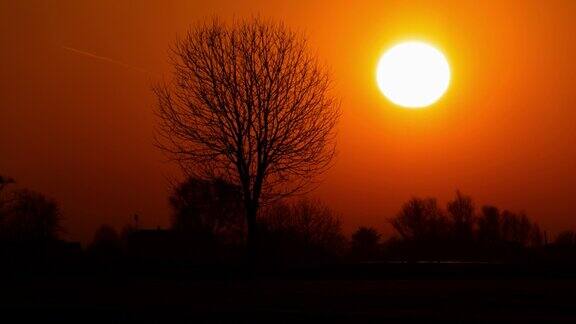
(208, 220)
(208, 224)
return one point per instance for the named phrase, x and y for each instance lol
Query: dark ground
(344, 293)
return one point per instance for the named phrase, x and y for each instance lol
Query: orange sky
(79, 127)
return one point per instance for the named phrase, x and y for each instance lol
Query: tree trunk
(252, 238)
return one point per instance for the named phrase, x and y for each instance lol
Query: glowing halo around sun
(413, 74)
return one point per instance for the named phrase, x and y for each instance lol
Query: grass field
(344, 293)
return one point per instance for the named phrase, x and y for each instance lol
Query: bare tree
(489, 224)
(304, 227)
(566, 239)
(209, 209)
(106, 242)
(249, 104)
(420, 219)
(365, 243)
(461, 212)
(536, 236)
(33, 216)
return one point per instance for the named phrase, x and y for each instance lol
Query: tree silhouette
(250, 105)
(207, 209)
(365, 243)
(426, 230)
(516, 228)
(461, 212)
(566, 239)
(536, 236)
(489, 225)
(32, 217)
(302, 229)
(420, 220)
(496, 228)
(106, 242)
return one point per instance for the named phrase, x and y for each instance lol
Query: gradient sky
(76, 108)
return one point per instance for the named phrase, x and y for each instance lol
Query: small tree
(106, 242)
(207, 209)
(566, 239)
(303, 229)
(461, 212)
(489, 224)
(536, 236)
(420, 220)
(365, 243)
(32, 217)
(250, 105)
(515, 228)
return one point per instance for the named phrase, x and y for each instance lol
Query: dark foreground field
(343, 293)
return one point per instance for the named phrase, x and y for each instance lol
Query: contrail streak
(104, 58)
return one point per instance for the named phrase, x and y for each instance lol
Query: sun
(413, 74)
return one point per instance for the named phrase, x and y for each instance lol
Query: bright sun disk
(413, 74)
